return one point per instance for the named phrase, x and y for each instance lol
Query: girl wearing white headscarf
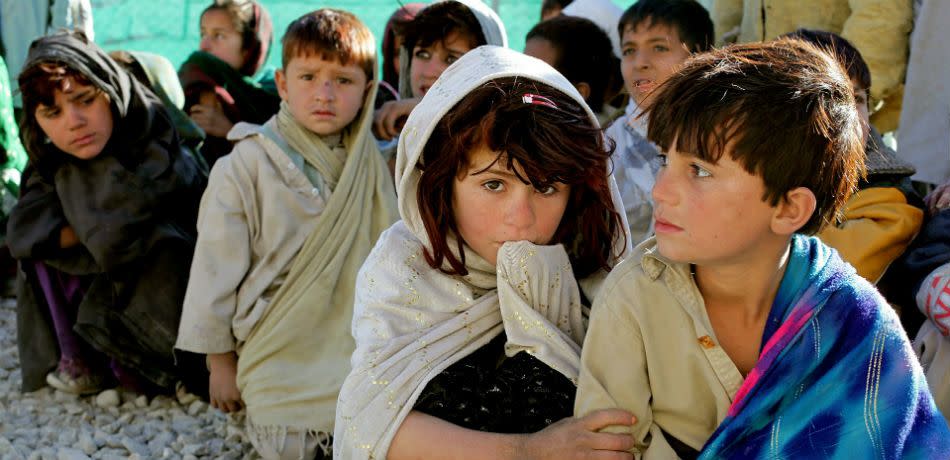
(440, 34)
(453, 294)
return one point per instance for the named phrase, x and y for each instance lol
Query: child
(105, 220)
(440, 34)
(880, 220)
(286, 222)
(224, 82)
(580, 50)
(742, 336)
(393, 37)
(656, 37)
(468, 316)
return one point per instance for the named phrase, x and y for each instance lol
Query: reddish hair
(559, 144)
(331, 34)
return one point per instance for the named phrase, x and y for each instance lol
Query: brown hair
(784, 110)
(559, 144)
(841, 49)
(331, 34)
(38, 85)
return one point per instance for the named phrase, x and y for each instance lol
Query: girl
(439, 35)
(393, 37)
(105, 226)
(468, 315)
(219, 80)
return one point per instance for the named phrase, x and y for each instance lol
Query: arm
(606, 383)
(877, 227)
(388, 120)
(36, 225)
(220, 264)
(425, 437)
(880, 30)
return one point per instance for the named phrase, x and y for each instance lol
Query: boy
(656, 37)
(285, 224)
(732, 318)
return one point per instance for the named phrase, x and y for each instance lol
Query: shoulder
(631, 280)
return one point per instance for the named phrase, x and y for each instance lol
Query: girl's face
(493, 206)
(428, 62)
(80, 120)
(221, 39)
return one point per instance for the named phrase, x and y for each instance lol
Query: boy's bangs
(39, 83)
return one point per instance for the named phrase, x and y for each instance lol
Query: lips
(83, 140)
(643, 84)
(323, 113)
(664, 226)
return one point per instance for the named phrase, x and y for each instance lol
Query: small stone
(71, 454)
(72, 408)
(134, 446)
(196, 407)
(189, 457)
(195, 450)
(108, 398)
(141, 402)
(87, 444)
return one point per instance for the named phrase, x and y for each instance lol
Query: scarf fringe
(276, 435)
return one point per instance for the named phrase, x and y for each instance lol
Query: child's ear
(584, 89)
(793, 211)
(280, 79)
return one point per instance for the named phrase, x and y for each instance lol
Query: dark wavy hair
(439, 20)
(559, 144)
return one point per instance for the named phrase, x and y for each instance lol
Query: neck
(749, 285)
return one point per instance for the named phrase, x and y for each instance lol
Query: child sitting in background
(656, 38)
(224, 82)
(285, 224)
(580, 50)
(742, 336)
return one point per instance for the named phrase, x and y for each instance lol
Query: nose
(205, 43)
(325, 91)
(75, 118)
(664, 188)
(519, 213)
(432, 69)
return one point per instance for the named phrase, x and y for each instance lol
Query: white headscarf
(412, 321)
(492, 28)
(605, 13)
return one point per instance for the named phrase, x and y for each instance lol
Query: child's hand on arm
(388, 120)
(580, 438)
(223, 388)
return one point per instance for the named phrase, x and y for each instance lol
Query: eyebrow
(80, 94)
(494, 169)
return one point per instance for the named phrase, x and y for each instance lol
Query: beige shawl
(295, 359)
(412, 321)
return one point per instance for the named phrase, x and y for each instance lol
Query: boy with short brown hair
(284, 226)
(744, 337)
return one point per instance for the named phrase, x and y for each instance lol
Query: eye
(660, 48)
(494, 186)
(627, 51)
(699, 171)
(344, 81)
(88, 100)
(548, 191)
(451, 58)
(421, 53)
(306, 76)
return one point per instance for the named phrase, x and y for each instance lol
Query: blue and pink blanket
(836, 378)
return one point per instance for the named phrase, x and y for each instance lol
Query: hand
(939, 199)
(211, 119)
(580, 438)
(222, 384)
(67, 237)
(389, 119)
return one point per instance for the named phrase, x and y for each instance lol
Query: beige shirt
(257, 211)
(650, 349)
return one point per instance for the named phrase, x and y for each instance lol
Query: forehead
(648, 30)
(542, 49)
(217, 19)
(453, 41)
(312, 60)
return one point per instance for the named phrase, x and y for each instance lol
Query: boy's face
(324, 96)
(651, 52)
(709, 214)
(428, 62)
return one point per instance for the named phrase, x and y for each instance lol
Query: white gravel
(51, 425)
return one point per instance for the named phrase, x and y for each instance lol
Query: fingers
(618, 442)
(597, 420)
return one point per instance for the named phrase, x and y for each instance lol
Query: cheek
(551, 211)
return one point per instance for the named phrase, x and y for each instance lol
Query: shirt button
(314, 192)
